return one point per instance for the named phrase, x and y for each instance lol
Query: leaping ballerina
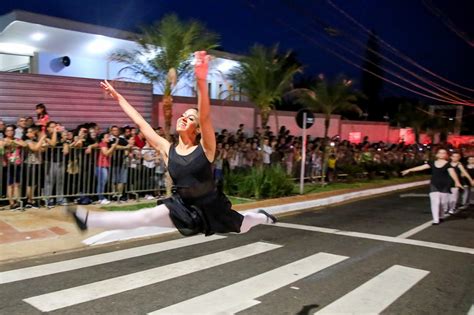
(196, 205)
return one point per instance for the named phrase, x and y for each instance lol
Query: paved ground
(350, 258)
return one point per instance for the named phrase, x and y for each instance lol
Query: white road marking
(322, 202)
(384, 238)
(96, 290)
(415, 230)
(378, 293)
(471, 310)
(414, 195)
(241, 295)
(88, 261)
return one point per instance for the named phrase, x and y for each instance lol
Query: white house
(40, 44)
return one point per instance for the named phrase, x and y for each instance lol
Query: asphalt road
(354, 258)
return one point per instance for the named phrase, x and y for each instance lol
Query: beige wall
(229, 115)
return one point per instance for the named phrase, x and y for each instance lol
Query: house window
(15, 63)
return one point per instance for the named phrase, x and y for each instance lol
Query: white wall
(50, 64)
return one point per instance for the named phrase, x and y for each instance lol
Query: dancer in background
(442, 175)
(196, 205)
(463, 176)
(468, 184)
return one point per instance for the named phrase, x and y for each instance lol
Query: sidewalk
(44, 232)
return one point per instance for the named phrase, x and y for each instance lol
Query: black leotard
(194, 186)
(441, 181)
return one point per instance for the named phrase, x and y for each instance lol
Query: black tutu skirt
(208, 214)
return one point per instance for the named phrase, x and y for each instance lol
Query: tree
(371, 85)
(413, 115)
(264, 76)
(328, 98)
(417, 116)
(164, 55)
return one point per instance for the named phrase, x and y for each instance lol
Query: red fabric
(103, 160)
(43, 121)
(139, 142)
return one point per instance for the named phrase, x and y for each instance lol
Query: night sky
(408, 25)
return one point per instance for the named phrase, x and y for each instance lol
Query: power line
(447, 21)
(394, 50)
(329, 50)
(334, 32)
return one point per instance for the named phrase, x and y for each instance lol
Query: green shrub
(258, 183)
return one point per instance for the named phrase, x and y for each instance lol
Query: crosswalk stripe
(459, 249)
(83, 262)
(240, 296)
(378, 293)
(89, 292)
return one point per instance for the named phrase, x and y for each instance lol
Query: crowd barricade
(59, 176)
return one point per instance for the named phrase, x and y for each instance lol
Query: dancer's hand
(201, 68)
(107, 87)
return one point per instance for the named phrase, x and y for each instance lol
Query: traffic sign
(309, 118)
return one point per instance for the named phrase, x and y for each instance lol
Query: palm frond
(166, 44)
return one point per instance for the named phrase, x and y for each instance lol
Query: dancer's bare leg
(157, 216)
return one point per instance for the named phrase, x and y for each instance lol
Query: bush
(258, 183)
(352, 170)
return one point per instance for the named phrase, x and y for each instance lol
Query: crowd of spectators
(41, 157)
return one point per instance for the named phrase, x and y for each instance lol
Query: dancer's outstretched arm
(208, 137)
(157, 142)
(416, 169)
(455, 178)
(466, 174)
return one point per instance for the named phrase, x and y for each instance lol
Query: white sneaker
(104, 202)
(149, 197)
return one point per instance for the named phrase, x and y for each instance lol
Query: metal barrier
(57, 176)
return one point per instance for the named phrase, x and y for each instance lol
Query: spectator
(219, 165)
(42, 116)
(266, 152)
(29, 122)
(33, 163)
(133, 159)
(233, 156)
(127, 132)
(20, 128)
(257, 160)
(139, 138)
(149, 164)
(2, 129)
(13, 162)
(240, 132)
(119, 162)
(160, 171)
(103, 165)
(54, 162)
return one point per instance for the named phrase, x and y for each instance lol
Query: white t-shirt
(267, 151)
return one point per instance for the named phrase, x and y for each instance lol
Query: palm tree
(264, 76)
(164, 55)
(413, 115)
(328, 98)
